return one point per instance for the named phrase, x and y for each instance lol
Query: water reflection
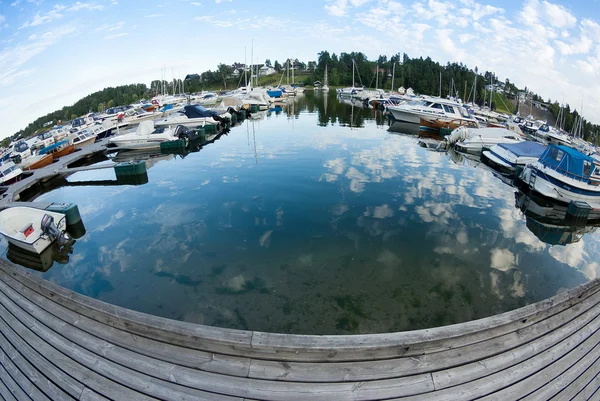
(316, 220)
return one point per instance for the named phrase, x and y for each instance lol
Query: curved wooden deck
(58, 345)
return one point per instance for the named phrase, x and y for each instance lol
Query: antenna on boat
(393, 75)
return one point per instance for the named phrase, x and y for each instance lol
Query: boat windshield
(9, 170)
(464, 112)
(21, 147)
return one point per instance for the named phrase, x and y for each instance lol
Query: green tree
(110, 104)
(224, 71)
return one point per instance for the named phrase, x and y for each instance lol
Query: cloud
(221, 1)
(39, 18)
(153, 15)
(85, 6)
(502, 259)
(340, 7)
(116, 35)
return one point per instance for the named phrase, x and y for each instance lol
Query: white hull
(405, 116)
(13, 221)
(194, 122)
(86, 142)
(506, 159)
(564, 189)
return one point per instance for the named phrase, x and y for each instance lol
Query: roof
(526, 148)
(574, 153)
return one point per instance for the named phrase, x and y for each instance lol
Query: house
(266, 70)
(236, 73)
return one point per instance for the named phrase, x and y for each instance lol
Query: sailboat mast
(353, 73)
(376, 76)
(393, 76)
(440, 84)
(251, 60)
(293, 64)
(245, 68)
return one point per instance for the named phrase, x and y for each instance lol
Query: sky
(54, 53)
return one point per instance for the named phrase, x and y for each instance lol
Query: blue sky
(54, 53)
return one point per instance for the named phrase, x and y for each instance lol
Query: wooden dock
(56, 344)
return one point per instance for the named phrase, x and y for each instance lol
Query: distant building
(191, 76)
(266, 70)
(46, 124)
(540, 105)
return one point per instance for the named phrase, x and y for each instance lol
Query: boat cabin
(572, 163)
(196, 111)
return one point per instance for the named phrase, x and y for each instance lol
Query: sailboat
(325, 87)
(352, 91)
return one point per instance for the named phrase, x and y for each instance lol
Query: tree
(268, 63)
(224, 72)
(277, 66)
(100, 107)
(111, 103)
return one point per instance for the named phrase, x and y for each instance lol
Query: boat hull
(67, 150)
(548, 185)
(43, 161)
(85, 142)
(40, 242)
(405, 117)
(438, 123)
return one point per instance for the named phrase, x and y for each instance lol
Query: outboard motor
(50, 229)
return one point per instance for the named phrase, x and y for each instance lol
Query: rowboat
(436, 123)
(32, 229)
(35, 162)
(59, 149)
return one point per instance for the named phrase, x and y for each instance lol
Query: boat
(192, 115)
(19, 151)
(32, 229)
(83, 138)
(43, 140)
(474, 140)
(564, 174)
(9, 173)
(59, 149)
(133, 117)
(507, 156)
(147, 137)
(431, 108)
(35, 162)
(437, 123)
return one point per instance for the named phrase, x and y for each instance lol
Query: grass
(502, 103)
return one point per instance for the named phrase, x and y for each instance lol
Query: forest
(421, 74)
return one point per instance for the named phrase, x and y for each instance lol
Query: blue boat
(566, 175)
(49, 149)
(274, 93)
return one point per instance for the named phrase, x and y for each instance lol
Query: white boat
(133, 117)
(192, 116)
(82, 138)
(60, 133)
(507, 156)
(20, 149)
(473, 140)
(565, 174)
(32, 229)
(412, 111)
(557, 138)
(42, 141)
(9, 173)
(147, 137)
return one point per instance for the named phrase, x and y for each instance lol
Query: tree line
(423, 75)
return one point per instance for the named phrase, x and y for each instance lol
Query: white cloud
(85, 6)
(502, 259)
(153, 15)
(39, 18)
(116, 35)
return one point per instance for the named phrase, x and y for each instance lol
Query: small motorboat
(507, 156)
(59, 149)
(9, 173)
(566, 175)
(83, 138)
(32, 229)
(474, 140)
(43, 140)
(192, 116)
(147, 137)
(436, 123)
(35, 162)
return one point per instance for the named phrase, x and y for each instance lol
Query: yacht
(133, 117)
(43, 140)
(192, 115)
(474, 140)
(9, 173)
(83, 138)
(507, 156)
(432, 108)
(147, 137)
(565, 174)
(20, 150)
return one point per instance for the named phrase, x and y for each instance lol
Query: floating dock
(56, 344)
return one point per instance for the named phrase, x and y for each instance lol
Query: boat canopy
(568, 161)
(196, 111)
(50, 148)
(526, 148)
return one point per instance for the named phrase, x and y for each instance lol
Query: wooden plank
(5, 393)
(29, 390)
(90, 395)
(290, 347)
(579, 343)
(588, 391)
(580, 383)
(52, 380)
(126, 376)
(478, 368)
(236, 366)
(79, 372)
(563, 379)
(23, 357)
(574, 318)
(223, 384)
(561, 361)
(595, 396)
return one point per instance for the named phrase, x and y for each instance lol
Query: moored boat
(474, 140)
(147, 137)
(437, 123)
(507, 156)
(32, 229)
(9, 173)
(564, 174)
(83, 138)
(35, 162)
(59, 149)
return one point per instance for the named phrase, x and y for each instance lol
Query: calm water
(317, 219)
